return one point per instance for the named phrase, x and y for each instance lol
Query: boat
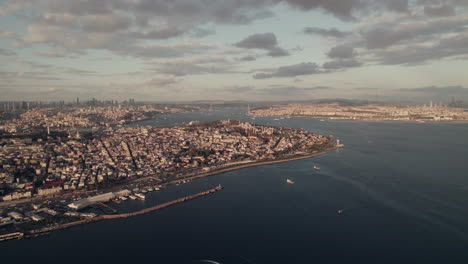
(123, 198)
(340, 211)
(132, 197)
(140, 195)
(289, 181)
(156, 189)
(322, 120)
(316, 168)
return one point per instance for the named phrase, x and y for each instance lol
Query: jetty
(116, 216)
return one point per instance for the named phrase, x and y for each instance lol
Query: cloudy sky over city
(157, 50)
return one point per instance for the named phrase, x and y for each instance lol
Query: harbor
(37, 232)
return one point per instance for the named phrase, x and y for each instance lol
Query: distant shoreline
(370, 120)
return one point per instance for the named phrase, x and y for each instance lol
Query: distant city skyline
(257, 50)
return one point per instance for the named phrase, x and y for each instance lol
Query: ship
(316, 167)
(289, 181)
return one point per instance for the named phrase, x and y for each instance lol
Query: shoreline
(46, 230)
(179, 180)
(371, 120)
(254, 164)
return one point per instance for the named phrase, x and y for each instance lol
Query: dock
(104, 207)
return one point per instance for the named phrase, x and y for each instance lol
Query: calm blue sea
(403, 188)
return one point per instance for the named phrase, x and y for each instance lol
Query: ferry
(289, 181)
(317, 168)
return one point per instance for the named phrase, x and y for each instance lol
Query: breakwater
(161, 206)
(36, 232)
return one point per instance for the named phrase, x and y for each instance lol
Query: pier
(16, 235)
(161, 206)
(104, 207)
(116, 216)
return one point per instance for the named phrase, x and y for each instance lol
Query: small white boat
(289, 181)
(132, 197)
(340, 211)
(316, 168)
(140, 196)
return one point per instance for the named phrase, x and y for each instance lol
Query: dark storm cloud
(439, 11)
(265, 41)
(291, 71)
(331, 32)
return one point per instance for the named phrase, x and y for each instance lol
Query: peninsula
(46, 180)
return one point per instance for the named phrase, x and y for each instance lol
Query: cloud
(164, 33)
(160, 82)
(248, 58)
(7, 52)
(290, 71)
(194, 66)
(147, 51)
(439, 90)
(341, 64)
(292, 90)
(7, 34)
(239, 89)
(388, 34)
(439, 10)
(331, 32)
(264, 41)
(107, 23)
(342, 51)
(416, 54)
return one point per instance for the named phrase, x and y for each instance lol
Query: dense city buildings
(72, 118)
(430, 112)
(41, 167)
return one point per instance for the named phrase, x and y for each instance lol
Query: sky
(256, 50)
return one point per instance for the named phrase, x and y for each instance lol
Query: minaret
(48, 130)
